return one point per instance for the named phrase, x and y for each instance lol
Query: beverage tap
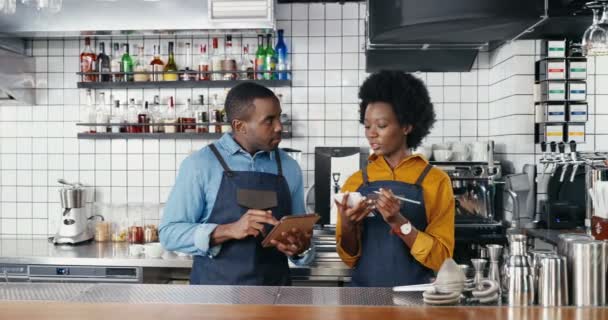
(574, 160)
(563, 159)
(545, 160)
(553, 147)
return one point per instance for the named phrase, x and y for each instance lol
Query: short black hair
(408, 97)
(240, 99)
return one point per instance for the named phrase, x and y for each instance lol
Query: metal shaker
(588, 259)
(552, 281)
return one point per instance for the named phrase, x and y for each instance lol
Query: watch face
(406, 228)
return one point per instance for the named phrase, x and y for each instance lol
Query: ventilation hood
(438, 35)
(100, 17)
(17, 82)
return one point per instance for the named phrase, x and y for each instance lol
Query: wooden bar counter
(150, 302)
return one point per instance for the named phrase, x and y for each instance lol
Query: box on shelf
(554, 48)
(552, 69)
(552, 91)
(577, 91)
(577, 112)
(550, 132)
(551, 112)
(575, 132)
(577, 69)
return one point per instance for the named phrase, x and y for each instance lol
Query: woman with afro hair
(403, 230)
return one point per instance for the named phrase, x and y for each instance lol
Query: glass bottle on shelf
(247, 65)
(157, 116)
(229, 62)
(260, 58)
(116, 64)
(188, 119)
(87, 61)
(216, 62)
(281, 55)
(116, 117)
(186, 74)
(170, 117)
(127, 63)
(270, 62)
(170, 68)
(157, 65)
(226, 127)
(216, 115)
(144, 118)
(141, 69)
(103, 64)
(87, 114)
(102, 116)
(202, 117)
(132, 117)
(203, 64)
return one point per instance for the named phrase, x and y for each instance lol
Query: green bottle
(270, 63)
(127, 63)
(260, 57)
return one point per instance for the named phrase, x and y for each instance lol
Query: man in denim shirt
(206, 214)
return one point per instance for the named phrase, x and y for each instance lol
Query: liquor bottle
(216, 62)
(141, 74)
(187, 119)
(132, 117)
(88, 114)
(170, 68)
(203, 64)
(170, 116)
(127, 63)
(157, 116)
(216, 115)
(87, 61)
(116, 64)
(247, 65)
(281, 52)
(103, 64)
(201, 116)
(260, 58)
(270, 62)
(157, 65)
(229, 62)
(185, 74)
(102, 114)
(144, 118)
(116, 117)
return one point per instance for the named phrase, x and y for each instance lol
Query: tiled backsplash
(38, 143)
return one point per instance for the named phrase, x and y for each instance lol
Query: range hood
(17, 81)
(438, 35)
(128, 17)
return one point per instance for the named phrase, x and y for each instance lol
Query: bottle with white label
(117, 117)
(87, 114)
(102, 114)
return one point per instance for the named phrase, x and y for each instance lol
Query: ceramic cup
(442, 155)
(153, 250)
(136, 249)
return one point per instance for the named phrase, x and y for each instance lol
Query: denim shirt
(184, 226)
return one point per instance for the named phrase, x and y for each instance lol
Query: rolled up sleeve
(183, 226)
(435, 244)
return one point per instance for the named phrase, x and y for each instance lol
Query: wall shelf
(179, 84)
(157, 136)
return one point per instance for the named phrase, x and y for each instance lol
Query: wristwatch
(404, 229)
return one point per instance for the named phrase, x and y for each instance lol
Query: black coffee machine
(565, 204)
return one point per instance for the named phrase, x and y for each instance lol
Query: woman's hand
(390, 208)
(353, 216)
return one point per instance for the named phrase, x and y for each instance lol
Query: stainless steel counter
(43, 252)
(177, 294)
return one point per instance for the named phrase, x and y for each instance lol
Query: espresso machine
(73, 227)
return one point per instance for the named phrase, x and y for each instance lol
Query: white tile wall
(328, 66)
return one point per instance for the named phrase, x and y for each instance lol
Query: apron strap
(365, 178)
(221, 160)
(279, 165)
(423, 174)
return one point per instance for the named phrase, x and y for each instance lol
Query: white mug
(153, 250)
(136, 249)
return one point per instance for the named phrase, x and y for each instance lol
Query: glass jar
(136, 234)
(150, 233)
(102, 231)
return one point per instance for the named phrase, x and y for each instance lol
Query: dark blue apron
(385, 259)
(244, 262)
